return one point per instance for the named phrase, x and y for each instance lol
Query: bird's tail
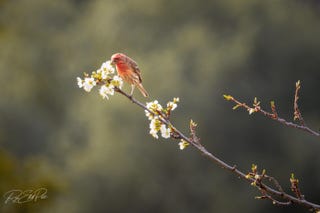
(142, 90)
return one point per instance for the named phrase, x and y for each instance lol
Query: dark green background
(95, 155)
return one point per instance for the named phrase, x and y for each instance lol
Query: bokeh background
(95, 155)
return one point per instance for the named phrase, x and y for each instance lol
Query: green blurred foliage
(30, 174)
(195, 50)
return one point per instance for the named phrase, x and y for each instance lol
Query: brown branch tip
(256, 108)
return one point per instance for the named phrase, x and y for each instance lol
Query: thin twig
(273, 116)
(274, 201)
(275, 182)
(297, 113)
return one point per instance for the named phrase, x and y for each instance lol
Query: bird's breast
(122, 68)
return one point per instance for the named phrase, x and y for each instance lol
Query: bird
(129, 71)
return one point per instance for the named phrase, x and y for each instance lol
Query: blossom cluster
(156, 113)
(105, 77)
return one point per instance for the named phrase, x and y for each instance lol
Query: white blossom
(165, 132)
(88, 84)
(155, 125)
(103, 74)
(80, 82)
(183, 144)
(172, 105)
(105, 70)
(251, 111)
(106, 90)
(107, 67)
(153, 132)
(176, 100)
(117, 81)
(153, 107)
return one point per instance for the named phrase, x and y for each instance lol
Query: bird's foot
(131, 97)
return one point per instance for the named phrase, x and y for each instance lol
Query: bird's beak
(113, 63)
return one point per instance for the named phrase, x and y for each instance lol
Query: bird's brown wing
(135, 67)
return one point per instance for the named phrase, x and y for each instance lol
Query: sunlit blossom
(176, 100)
(80, 82)
(165, 132)
(154, 133)
(107, 67)
(88, 84)
(117, 81)
(155, 126)
(183, 144)
(251, 111)
(154, 107)
(106, 90)
(103, 74)
(171, 105)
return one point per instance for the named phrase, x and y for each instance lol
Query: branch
(274, 115)
(297, 113)
(267, 191)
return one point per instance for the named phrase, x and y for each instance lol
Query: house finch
(129, 71)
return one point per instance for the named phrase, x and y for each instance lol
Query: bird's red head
(117, 57)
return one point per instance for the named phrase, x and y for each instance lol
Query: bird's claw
(131, 97)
